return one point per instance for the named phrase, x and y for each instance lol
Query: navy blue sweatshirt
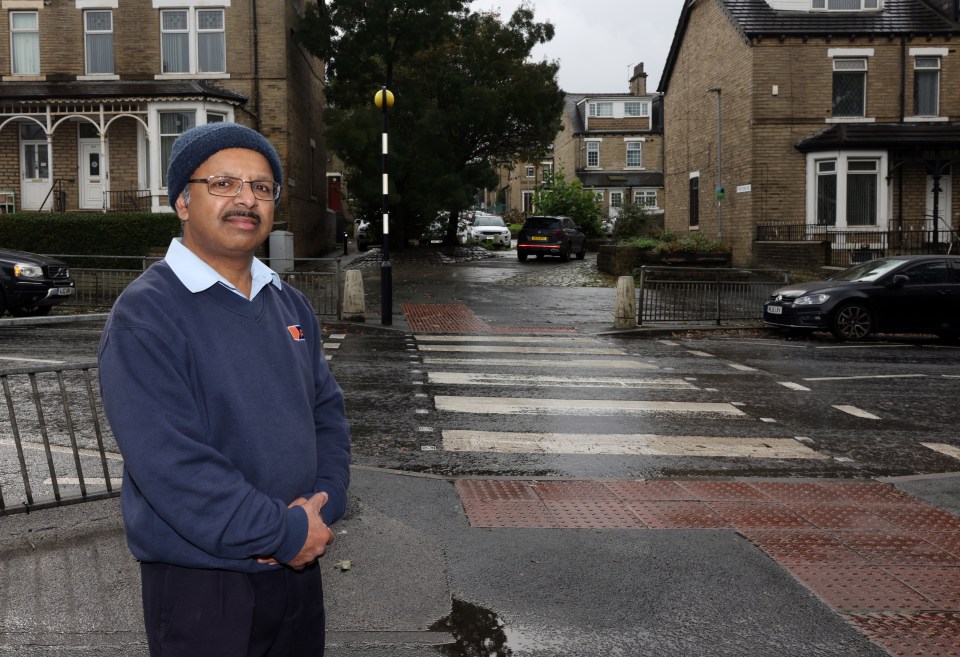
(225, 411)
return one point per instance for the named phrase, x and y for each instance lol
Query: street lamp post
(384, 100)
(721, 192)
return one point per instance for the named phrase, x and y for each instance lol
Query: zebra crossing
(611, 389)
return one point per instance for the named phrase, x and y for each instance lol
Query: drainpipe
(903, 77)
(256, 66)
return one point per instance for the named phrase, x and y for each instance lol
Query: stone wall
(622, 260)
(803, 257)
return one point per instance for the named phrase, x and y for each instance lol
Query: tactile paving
(572, 491)
(677, 515)
(946, 541)
(859, 588)
(802, 546)
(515, 513)
(593, 514)
(895, 549)
(753, 514)
(442, 318)
(712, 491)
(918, 517)
(637, 491)
(827, 515)
(941, 584)
(926, 634)
(799, 492)
(486, 491)
(870, 493)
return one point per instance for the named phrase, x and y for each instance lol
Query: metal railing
(53, 447)
(701, 294)
(128, 200)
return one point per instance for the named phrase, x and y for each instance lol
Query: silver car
(489, 228)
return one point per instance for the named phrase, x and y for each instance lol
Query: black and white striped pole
(384, 100)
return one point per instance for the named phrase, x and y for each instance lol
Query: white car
(489, 228)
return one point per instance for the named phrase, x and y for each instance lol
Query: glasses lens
(265, 190)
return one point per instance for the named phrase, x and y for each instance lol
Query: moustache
(249, 214)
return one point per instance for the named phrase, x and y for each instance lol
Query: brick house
(94, 92)
(612, 142)
(837, 121)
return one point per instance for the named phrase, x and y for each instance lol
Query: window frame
(642, 198)
(849, 72)
(926, 71)
(633, 147)
(843, 172)
(87, 34)
(14, 32)
(593, 109)
(864, 5)
(592, 153)
(194, 34)
(643, 108)
(693, 211)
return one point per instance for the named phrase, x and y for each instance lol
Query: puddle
(477, 632)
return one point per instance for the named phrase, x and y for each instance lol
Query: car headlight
(811, 300)
(23, 270)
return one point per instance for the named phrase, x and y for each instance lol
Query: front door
(34, 169)
(91, 175)
(616, 202)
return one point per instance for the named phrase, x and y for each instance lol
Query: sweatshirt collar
(197, 276)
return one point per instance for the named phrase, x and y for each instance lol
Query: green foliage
(83, 233)
(669, 242)
(569, 198)
(632, 221)
(467, 93)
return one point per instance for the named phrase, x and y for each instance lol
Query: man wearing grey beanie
(233, 431)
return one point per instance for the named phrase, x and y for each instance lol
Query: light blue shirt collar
(197, 276)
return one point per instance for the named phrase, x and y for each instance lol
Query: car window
(488, 221)
(868, 271)
(542, 223)
(928, 273)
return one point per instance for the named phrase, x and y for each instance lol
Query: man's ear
(181, 207)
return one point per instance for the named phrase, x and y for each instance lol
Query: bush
(669, 242)
(632, 221)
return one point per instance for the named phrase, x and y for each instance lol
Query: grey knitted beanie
(193, 147)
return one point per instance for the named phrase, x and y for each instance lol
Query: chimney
(638, 82)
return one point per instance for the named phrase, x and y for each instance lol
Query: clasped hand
(319, 535)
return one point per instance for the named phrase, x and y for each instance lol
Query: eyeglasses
(264, 190)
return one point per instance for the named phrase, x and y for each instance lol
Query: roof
(624, 179)
(755, 18)
(573, 106)
(896, 136)
(113, 90)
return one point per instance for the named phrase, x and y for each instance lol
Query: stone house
(828, 125)
(94, 92)
(611, 142)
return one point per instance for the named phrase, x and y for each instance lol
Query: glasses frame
(276, 190)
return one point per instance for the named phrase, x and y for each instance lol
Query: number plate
(775, 310)
(63, 291)
(539, 238)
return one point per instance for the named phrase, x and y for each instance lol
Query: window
(846, 5)
(616, 199)
(24, 43)
(694, 201)
(846, 190)
(36, 157)
(645, 198)
(207, 37)
(928, 273)
(547, 169)
(530, 171)
(849, 87)
(98, 39)
(634, 154)
(593, 153)
(926, 86)
(528, 202)
(600, 109)
(636, 108)
(216, 117)
(172, 124)
(598, 196)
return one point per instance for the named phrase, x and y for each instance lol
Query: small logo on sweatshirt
(296, 333)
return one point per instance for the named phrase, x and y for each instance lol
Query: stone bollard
(626, 313)
(353, 308)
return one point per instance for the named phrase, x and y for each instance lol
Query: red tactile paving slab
(715, 491)
(802, 546)
(941, 584)
(485, 490)
(677, 515)
(593, 514)
(926, 634)
(895, 549)
(758, 515)
(514, 513)
(853, 588)
(871, 493)
(442, 318)
(918, 517)
(638, 491)
(799, 492)
(572, 491)
(541, 330)
(946, 541)
(828, 515)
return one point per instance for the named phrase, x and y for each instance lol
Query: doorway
(91, 175)
(35, 181)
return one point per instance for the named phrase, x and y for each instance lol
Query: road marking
(522, 406)
(648, 444)
(669, 343)
(87, 481)
(944, 448)
(502, 338)
(479, 378)
(59, 449)
(865, 376)
(331, 345)
(501, 349)
(872, 345)
(337, 336)
(853, 410)
(33, 360)
(742, 368)
(619, 363)
(794, 386)
(701, 354)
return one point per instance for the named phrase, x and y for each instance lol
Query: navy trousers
(191, 612)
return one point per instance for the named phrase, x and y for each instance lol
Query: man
(232, 428)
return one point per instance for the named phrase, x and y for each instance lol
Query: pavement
(430, 565)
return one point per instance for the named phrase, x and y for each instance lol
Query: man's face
(219, 229)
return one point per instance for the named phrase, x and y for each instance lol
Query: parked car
(545, 235)
(896, 294)
(489, 228)
(31, 284)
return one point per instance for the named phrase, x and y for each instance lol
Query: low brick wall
(801, 256)
(622, 260)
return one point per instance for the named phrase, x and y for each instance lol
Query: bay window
(845, 190)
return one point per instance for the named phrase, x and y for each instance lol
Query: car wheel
(30, 311)
(852, 321)
(565, 252)
(521, 256)
(582, 253)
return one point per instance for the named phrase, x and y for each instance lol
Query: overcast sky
(598, 42)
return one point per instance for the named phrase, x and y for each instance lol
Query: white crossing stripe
(512, 406)
(88, 481)
(794, 386)
(502, 349)
(701, 354)
(853, 410)
(742, 368)
(618, 363)
(60, 449)
(871, 376)
(480, 379)
(331, 345)
(502, 338)
(647, 444)
(944, 448)
(337, 336)
(33, 360)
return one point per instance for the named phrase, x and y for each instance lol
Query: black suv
(557, 236)
(30, 284)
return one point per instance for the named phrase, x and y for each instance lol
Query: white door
(35, 175)
(91, 176)
(943, 205)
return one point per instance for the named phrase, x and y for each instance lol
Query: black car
(30, 284)
(558, 236)
(897, 294)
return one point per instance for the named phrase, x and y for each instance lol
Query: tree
(569, 198)
(466, 96)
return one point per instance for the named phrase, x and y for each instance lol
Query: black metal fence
(55, 445)
(128, 200)
(700, 294)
